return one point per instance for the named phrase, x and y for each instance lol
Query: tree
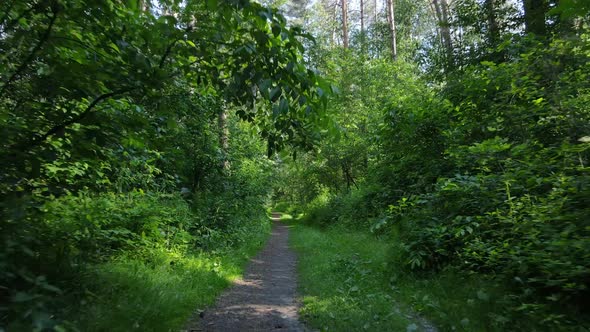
(344, 5)
(441, 11)
(66, 80)
(534, 16)
(493, 24)
(392, 27)
(362, 14)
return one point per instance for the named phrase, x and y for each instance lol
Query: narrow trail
(265, 299)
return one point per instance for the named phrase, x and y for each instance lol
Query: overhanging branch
(37, 140)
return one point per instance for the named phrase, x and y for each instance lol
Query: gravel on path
(265, 298)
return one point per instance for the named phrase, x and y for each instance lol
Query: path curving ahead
(265, 299)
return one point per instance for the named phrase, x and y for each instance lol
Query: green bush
(45, 255)
(514, 202)
(489, 177)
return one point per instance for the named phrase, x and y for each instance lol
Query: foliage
(516, 203)
(112, 143)
(82, 234)
(162, 290)
(483, 175)
(373, 291)
(78, 230)
(129, 134)
(343, 281)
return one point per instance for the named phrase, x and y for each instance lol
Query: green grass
(349, 283)
(161, 290)
(342, 280)
(454, 301)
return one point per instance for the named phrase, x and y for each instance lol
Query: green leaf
(320, 92)
(283, 106)
(212, 5)
(276, 30)
(482, 295)
(275, 93)
(114, 47)
(24, 297)
(264, 87)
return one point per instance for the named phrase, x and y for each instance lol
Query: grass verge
(161, 289)
(342, 280)
(349, 283)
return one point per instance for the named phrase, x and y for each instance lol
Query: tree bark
(223, 137)
(345, 23)
(392, 29)
(441, 10)
(493, 28)
(375, 12)
(534, 16)
(334, 28)
(362, 16)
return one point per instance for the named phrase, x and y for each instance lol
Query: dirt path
(264, 300)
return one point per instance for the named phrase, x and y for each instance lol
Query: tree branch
(37, 140)
(166, 53)
(6, 13)
(25, 63)
(8, 25)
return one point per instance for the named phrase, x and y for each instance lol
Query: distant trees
(447, 35)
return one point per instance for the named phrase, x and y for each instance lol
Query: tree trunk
(345, 23)
(447, 28)
(391, 20)
(534, 16)
(143, 5)
(223, 137)
(441, 10)
(375, 12)
(494, 33)
(334, 32)
(493, 29)
(347, 174)
(362, 17)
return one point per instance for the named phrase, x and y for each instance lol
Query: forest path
(265, 298)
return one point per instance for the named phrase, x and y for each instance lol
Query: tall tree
(375, 12)
(441, 11)
(295, 11)
(493, 26)
(534, 16)
(392, 28)
(223, 137)
(344, 4)
(362, 5)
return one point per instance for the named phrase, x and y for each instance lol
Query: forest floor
(265, 298)
(347, 284)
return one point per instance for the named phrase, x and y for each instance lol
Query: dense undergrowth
(120, 262)
(374, 293)
(143, 259)
(132, 166)
(342, 281)
(484, 178)
(133, 177)
(161, 289)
